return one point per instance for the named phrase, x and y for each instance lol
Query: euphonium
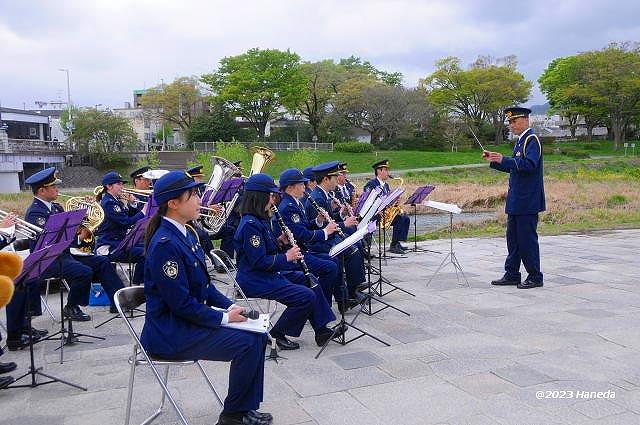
(391, 212)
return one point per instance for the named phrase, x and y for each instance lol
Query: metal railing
(31, 145)
(274, 146)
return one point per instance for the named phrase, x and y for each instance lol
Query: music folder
(451, 208)
(356, 236)
(259, 325)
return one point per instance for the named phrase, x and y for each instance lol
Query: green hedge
(353, 147)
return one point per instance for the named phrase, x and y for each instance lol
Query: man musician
(401, 221)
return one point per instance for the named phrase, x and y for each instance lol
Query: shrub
(354, 147)
(617, 200)
(574, 152)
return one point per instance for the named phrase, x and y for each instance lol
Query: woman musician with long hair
(265, 272)
(179, 322)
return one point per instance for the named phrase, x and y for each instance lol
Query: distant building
(556, 126)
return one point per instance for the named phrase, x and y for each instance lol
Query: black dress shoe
(527, 284)
(247, 418)
(395, 249)
(19, 343)
(283, 343)
(505, 282)
(37, 333)
(343, 307)
(7, 367)
(263, 416)
(5, 381)
(75, 314)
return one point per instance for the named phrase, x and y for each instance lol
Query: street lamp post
(68, 101)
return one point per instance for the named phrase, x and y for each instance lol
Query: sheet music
(351, 240)
(372, 211)
(391, 198)
(259, 325)
(371, 198)
(452, 208)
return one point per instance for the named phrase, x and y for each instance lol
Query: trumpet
(23, 227)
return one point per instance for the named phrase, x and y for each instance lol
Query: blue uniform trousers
(78, 277)
(400, 228)
(354, 271)
(322, 266)
(321, 312)
(522, 245)
(226, 239)
(245, 351)
(103, 272)
(298, 300)
(133, 255)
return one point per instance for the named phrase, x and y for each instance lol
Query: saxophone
(389, 214)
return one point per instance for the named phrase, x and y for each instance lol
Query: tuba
(222, 170)
(390, 213)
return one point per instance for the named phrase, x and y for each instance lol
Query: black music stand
(130, 240)
(61, 229)
(340, 249)
(416, 198)
(34, 266)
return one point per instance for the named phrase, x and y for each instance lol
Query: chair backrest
(130, 298)
(225, 261)
(231, 271)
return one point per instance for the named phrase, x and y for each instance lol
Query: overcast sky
(115, 46)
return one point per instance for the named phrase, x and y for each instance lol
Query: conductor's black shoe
(264, 416)
(5, 381)
(113, 309)
(505, 282)
(19, 342)
(74, 313)
(7, 367)
(247, 418)
(527, 284)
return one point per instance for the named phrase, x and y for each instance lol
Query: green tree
(258, 84)
(478, 94)
(218, 124)
(102, 132)
(177, 103)
(323, 79)
(355, 64)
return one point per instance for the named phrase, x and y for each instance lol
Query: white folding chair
(133, 297)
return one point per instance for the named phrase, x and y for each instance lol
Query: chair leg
(166, 392)
(132, 374)
(206, 377)
(166, 381)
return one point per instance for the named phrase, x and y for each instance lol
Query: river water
(426, 223)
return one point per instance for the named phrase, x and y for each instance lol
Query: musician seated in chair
(119, 217)
(401, 221)
(265, 272)
(326, 177)
(180, 324)
(44, 185)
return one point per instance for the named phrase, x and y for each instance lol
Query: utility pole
(71, 126)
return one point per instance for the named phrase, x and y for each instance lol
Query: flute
(292, 241)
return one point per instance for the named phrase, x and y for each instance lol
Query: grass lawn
(361, 162)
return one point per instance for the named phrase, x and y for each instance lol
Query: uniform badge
(255, 241)
(170, 269)
(295, 218)
(518, 153)
(40, 221)
(117, 209)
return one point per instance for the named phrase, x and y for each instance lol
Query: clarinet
(341, 204)
(327, 217)
(303, 265)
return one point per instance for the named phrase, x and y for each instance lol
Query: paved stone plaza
(467, 355)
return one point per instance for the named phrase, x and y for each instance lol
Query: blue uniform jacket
(525, 168)
(38, 213)
(117, 221)
(258, 257)
(305, 230)
(373, 183)
(177, 286)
